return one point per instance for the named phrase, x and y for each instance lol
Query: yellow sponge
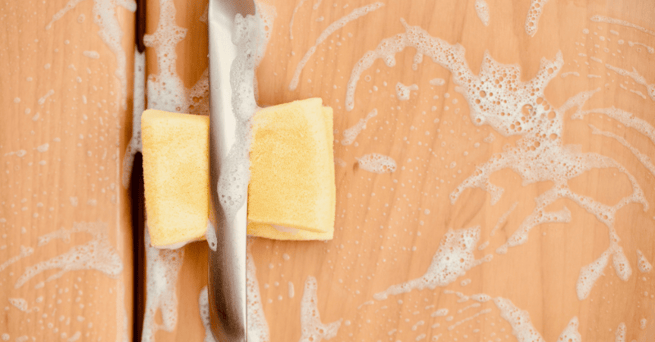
(176, 176)
(292, 167)
(292, 172)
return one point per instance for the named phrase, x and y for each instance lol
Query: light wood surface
(377, 242)
(74, 181)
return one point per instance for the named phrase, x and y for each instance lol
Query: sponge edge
(268, 231)
(292, 167)
(176, 176)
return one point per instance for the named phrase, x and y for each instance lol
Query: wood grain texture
(63, 109)
(388, 226)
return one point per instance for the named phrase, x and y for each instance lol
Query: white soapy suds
(377, 163)
(574, 73)
(210, 236)
(636, 77)
(403, 92)
(24, 252)
(341, 22)
(166, 89)
(593, 76)
(532, 19)
(293, 16)
(503, 219)
(458, 323)
(437, 81)
(251, 37)
(138, 106)
(626, 118)
(643, 158)
(312, 329)
(74, 201)
(474, 305)
(571, 333)
(97, 254)
(257, 324)
(350, 134)
(91, 54)
(76, 336)
(650, 49)
(162, 269)
(43, 148)
(203, 305)
(589, 274)
(439, 313)
(481, 297)
(292, 292)
(519, 320)
(452, 260)
(482, 9)
(340, 162)
(603, 19)
(643, 323)
(19, 303)
(638, 93)
(46, 96)
(642, 263)
(619, 335)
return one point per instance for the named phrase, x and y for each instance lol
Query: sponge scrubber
(291, 174)
(176, 176)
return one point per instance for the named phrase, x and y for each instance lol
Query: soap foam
(19, 303)
(210, 236)
(312, 329)
(643, 158)
(636, 76)
(97, 254)
(571, 333)
(293, 17)
(377, 163)
(519, 320)
(603, 19)
(257, 324)
(24, 252)
(619, 335)
(589, 274)
(350, 134)
(403, 92)
(642, 263)
(452, 260)
(482, 10)
(91, 54)
(162, 270)
(503, 219)
(341, 22)
(534, 13)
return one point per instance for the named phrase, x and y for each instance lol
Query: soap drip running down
(498, 98)
(452, 260)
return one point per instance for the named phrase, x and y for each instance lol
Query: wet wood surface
(389, 226)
